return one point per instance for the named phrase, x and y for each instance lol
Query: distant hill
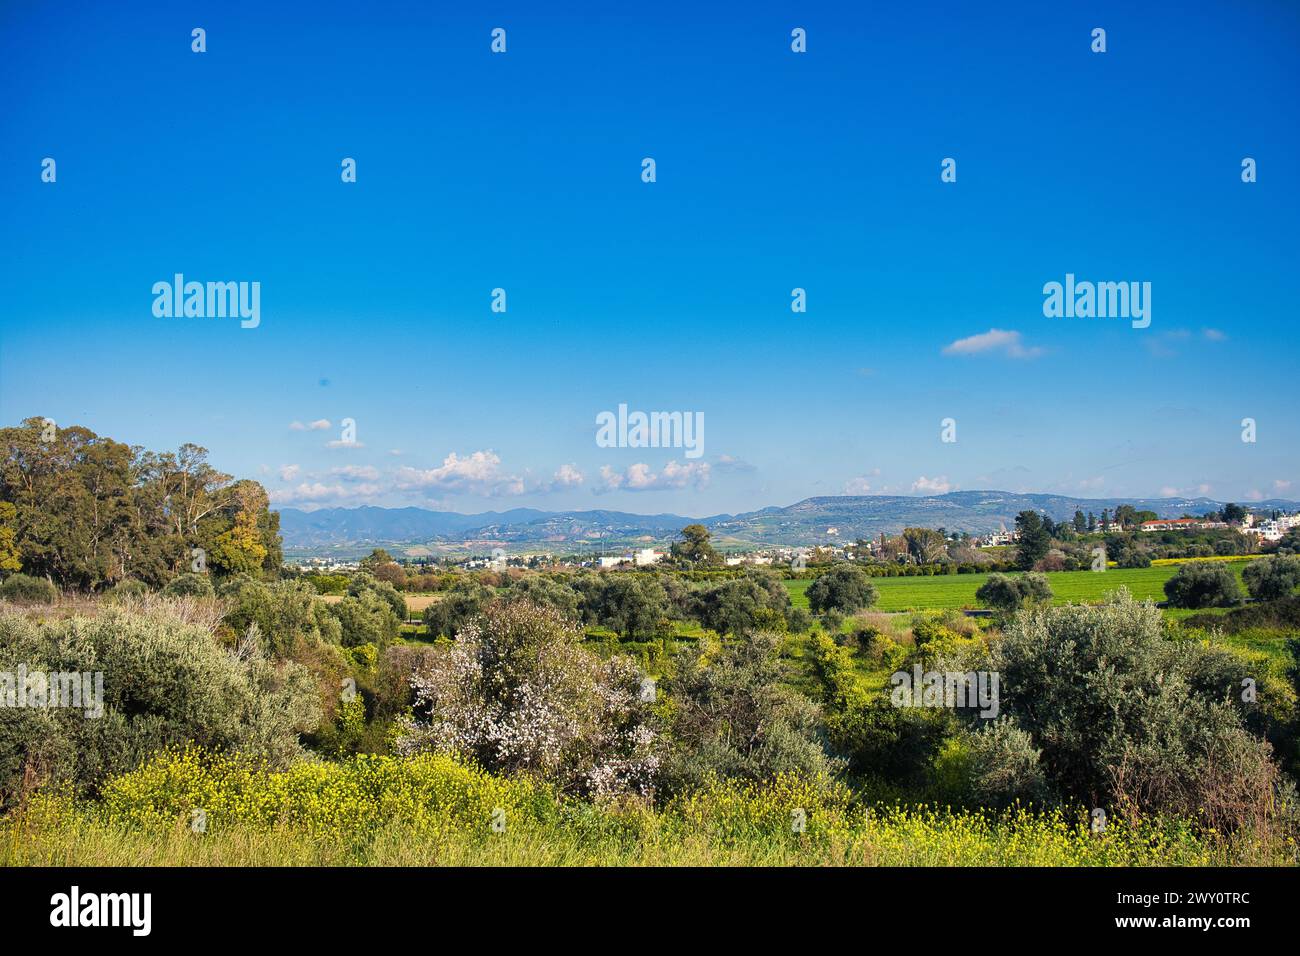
(347, 529)
(350, 530)
(977, 512)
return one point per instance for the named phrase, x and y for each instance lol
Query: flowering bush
(518, 692)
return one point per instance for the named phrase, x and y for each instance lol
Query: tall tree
(90, 511)
(1034, 539)
(1234, 513)
(695, 546)
(924, 545)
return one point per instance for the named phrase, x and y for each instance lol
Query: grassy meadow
(432, 810)
(943, 591)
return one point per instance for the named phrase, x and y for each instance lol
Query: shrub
(1126, 719)
(1272, 578)
(328, 583)
(364, 584)
(734, 715)
(1283, 613)
(1005, 593)
(1000, 592)
(457, 607)
(366, 618)
(545, 590)
(632, 604)
(164, 683)
(738, 606)
(190, 584)
(877, 739)
(1006, 766)
(844, 588)
(1131, 556)
(518, 692)
(287, 615)
(128, 589)
(25, 589)
(798, 620)
(1208, 584)
(1054, 560)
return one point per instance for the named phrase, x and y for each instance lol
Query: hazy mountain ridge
(803, 523)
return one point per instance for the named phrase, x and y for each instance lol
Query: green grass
(958, 590)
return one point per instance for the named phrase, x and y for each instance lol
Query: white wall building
(1268, 530)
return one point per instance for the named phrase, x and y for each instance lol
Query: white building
(647, 556)
(1268, 530)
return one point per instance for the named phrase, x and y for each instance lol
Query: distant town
(1125, 520)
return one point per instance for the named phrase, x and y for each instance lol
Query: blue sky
(775, 170)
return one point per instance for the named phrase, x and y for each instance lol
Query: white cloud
(297, 427)
(1170, 491)
(479, 474)
(938, 485)
(1009, 343)
(1214, 335)
(732, 463)
(356, 472)
(289, 472)
(857, 486)
(308, 491)
(567, 476)
(319, 425)
(320, 493)
(639, 477)
(1281, 484)
(1254, 495)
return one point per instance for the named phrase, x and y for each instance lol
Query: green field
(958, 590)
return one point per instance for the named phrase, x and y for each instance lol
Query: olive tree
(1118, 716)
(1272, 578)
(1203, 584)
(843, 588)
(154, 681)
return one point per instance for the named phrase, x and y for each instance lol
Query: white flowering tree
(518, 693)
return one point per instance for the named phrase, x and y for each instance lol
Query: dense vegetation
(690, 714)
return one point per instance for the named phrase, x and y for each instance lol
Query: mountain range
(344, 532)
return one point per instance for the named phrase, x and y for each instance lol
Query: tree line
(88, 512)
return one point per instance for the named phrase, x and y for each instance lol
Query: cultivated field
(958, 590)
